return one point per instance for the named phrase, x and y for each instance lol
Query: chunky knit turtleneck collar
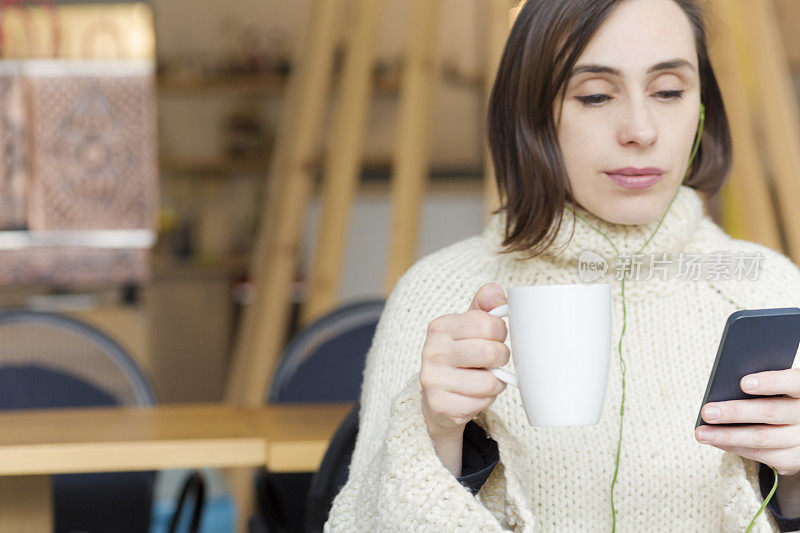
(676, 229)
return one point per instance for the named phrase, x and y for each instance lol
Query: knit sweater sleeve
(396, 481)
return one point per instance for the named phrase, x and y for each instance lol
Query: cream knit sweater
(553, 478)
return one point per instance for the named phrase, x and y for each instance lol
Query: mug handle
(503, 375)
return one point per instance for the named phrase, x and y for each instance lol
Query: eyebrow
(604, 69)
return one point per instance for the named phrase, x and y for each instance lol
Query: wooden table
(36, 444)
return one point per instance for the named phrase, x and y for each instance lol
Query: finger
(783, 460)
(749, 453)
(774, 382)
(754, 411)
(488, 297)
(474, 383)
(480, 353)
(769, 457)
(470, 405)
(758, 436)
(455, 408)
(470, 325)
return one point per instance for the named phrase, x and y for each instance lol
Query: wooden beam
(500, 18)
(343, 161)
(261, 332)
(275, 255)
(413, 146)
(273, 191)
(789, 20)
(778, 109)
(747, 212)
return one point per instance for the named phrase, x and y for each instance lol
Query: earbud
(702, 114)
(697, 138)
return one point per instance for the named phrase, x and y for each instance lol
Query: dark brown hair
(532, 74)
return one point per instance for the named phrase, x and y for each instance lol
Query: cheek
(680, 138)
(581, 162)
(583, 141)
(691, 131)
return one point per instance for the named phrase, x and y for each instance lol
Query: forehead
(640, 33)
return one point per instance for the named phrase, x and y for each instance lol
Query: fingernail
(712, 413)
(702, 436)
(749, 382)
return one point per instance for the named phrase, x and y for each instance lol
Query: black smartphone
(754, 340)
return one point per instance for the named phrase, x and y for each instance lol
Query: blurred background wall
(222, 70)
(195, 120)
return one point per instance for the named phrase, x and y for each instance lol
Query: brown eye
(670, 95)
(593, 99)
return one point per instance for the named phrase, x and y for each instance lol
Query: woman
(586, 91)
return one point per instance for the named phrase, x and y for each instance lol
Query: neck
(581, 231)
(605, 236)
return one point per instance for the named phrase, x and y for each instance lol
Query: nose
(637, 125)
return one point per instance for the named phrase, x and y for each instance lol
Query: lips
(631, 171)
(636, 178)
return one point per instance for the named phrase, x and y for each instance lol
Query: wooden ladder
(760, 200)
(261, 336)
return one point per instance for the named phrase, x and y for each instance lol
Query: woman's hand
(774, 439)
(458, 349)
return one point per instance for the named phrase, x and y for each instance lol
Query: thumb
(488, 297)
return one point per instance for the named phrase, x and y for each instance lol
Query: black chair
(323, 362)
(332, 473)
(49, 360)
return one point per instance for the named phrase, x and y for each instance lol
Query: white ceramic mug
(561, 348)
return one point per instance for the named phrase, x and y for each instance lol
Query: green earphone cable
(769, 497)
(624, 323)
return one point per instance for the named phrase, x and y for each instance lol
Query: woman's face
(632, 102)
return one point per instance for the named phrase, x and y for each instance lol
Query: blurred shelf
(263, 84)
(274, 84)
(215, 165)
(465, 184)
(165, 265)
(373, 169)
(266, 84)
(379, 169)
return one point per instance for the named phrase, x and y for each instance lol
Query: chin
(618, 205)
(630, 210)
(637, 220)
(629, 218)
